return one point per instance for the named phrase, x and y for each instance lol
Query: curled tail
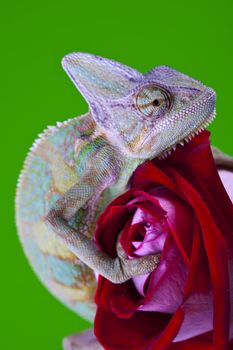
(45, 177)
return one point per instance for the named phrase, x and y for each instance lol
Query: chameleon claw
(137, 266)
(124, 268)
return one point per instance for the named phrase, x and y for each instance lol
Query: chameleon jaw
(186, 139)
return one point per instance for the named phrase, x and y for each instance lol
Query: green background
(193, 37)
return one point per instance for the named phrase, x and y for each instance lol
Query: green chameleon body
(76, 168)
(57, 161)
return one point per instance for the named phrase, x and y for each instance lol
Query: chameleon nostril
(185, 99)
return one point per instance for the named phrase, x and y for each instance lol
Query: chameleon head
(144, 115)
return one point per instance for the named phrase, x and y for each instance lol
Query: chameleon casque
(76, 168)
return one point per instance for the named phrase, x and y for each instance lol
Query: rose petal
(227, 180)
(202, 342)
(82, 341)
(179, 218)
(165, 289)
(217, 253)
(132, 333)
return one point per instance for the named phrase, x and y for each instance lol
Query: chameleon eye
(153, 100)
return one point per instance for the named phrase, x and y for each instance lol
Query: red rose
(179, 207)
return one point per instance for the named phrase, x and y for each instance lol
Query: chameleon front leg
(117, 270)
(222, 159)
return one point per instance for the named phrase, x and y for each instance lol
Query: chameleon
(76, 168)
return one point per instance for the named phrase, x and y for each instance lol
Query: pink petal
(227, 180)
(82, 341)
(165, 290)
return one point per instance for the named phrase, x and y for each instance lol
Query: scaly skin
(76, 168)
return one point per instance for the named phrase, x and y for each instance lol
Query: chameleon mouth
(199, 129)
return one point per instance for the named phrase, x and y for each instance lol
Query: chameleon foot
(125, 268)
(82, 341)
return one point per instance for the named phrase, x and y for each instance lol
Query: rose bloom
(177, 207)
